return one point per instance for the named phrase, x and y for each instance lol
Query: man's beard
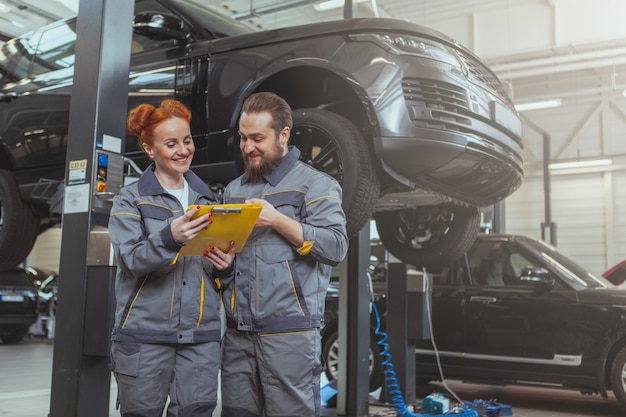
(256, 172)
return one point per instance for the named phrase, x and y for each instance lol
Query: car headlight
(414, 46)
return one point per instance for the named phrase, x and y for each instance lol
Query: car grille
(434, 95)
(481, 75)
(447, 104)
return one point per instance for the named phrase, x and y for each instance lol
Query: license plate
(506, 117)
(12, 298)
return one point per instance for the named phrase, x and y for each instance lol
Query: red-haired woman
(167, 326)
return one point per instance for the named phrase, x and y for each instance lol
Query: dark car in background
(18, 305)
(47, 283)
(516, 310)
(416, 128)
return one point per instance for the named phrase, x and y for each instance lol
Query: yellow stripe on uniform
(293, 287)
(201, 300)
(134, 299)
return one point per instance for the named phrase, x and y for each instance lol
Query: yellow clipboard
(231, 223)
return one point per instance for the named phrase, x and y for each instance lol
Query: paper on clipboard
(231, 223)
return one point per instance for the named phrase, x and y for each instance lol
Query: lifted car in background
(617, 274)
(417, 129)
(514, 310)
(18, 305)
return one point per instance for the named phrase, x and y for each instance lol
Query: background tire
(14, 337)
(333, 144)
(330, 351)
(19, 227)
(618, 377)
(429, 236)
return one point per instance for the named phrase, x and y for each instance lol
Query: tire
(14, 337)
(429, 236)
(330, 351)
(19, 227)
(332, 144)
(618, 377)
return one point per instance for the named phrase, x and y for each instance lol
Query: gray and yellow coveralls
(271, 353)
(167, 324)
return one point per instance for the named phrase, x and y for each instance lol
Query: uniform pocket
(275, 251)
(126, 358)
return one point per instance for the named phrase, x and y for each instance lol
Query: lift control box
(419, 302)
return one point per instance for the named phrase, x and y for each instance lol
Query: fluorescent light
(536, 105)
(331, 4)
(581, 164)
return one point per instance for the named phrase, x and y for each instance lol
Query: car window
(55, 50)
(16, 57)
(566, 267)
(496, 263)
(218, 25)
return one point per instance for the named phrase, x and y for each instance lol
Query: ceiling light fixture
(537, 105)
(331, 4)
(581, 164)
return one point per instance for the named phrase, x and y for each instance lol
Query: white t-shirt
(181, 194)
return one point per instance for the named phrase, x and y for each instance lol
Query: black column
(80, 375)
(402, 345)
(354, 329)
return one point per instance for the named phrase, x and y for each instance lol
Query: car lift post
(401, 347)
(80, 375)
(354, 329)
(409, 306)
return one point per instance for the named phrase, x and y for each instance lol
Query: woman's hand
(185, 228)
(220, 260)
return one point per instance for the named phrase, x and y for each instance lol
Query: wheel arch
(318, 87)
(6, 162)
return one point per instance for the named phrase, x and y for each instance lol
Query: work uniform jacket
(161, 299)
(279, 287)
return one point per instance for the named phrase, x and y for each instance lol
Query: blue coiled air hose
(392, 381)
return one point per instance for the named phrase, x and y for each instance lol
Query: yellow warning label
(81, 164)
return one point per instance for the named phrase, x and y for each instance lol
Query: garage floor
(27, 369)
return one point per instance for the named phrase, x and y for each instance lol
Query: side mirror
(536, 276)
(160, 27)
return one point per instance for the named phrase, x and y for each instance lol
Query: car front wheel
(19, 227)
(332, 144)
(618, 377)
(14, 337)
(330, 351)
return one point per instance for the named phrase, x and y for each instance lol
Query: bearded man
(271, 362)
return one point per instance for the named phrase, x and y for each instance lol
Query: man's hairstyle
(275, 105)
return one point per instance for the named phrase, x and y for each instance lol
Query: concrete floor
(26, 369)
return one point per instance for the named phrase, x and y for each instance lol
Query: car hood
(345, 26)
(603, 296)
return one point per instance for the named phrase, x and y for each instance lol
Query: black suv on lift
(417, 129)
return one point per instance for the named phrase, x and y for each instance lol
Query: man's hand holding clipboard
(230, 223)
